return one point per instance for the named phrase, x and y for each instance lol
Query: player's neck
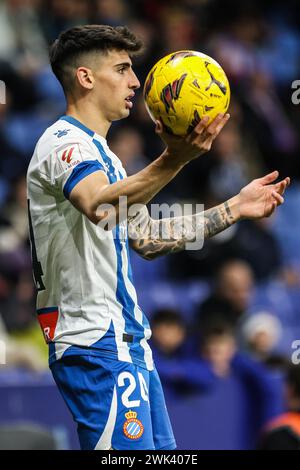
(90, 117)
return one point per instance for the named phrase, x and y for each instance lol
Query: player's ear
(85, 77)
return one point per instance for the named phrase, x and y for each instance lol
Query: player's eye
(122, 70)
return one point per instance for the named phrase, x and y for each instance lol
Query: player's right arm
(94, 190)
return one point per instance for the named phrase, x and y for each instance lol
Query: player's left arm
(152, 238)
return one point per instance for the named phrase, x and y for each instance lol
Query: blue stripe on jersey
(108, 339)
(52, 352)
(107, 161)
(80, 171)
(40, 311)
(130, 277)
(107, 342)
(77, 123)
(132, 326)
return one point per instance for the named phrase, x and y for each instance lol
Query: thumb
(161, 131)
(158, 127)
(269, 178)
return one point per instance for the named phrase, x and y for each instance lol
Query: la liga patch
(68, 157)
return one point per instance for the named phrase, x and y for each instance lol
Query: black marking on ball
(171, 92)
(222, 87)
(182, 54)
(149, 83)
(196, 119)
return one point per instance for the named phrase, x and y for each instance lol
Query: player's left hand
(197, 142)
(261, 197)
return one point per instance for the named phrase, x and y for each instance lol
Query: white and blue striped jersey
(86, 301)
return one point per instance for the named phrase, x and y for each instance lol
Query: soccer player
(86, 303)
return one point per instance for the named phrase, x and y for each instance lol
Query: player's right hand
(198, 142)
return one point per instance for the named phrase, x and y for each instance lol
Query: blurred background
(224, 318)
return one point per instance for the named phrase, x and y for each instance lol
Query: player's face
(115, 82)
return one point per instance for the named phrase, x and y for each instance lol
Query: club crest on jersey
(60, 133)
(132, 428)
(69, 157)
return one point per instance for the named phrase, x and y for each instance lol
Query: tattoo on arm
(217, 219)
(153, 238)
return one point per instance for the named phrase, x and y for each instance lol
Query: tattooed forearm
(153, 238)
(217, 219)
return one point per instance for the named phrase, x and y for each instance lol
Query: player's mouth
(129, 103)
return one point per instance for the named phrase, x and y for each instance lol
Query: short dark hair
(71, 45)
(167, 316)
(217, 328)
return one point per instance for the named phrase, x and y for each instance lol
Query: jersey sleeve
(72, 162)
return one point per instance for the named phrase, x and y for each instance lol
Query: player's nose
(134, 82)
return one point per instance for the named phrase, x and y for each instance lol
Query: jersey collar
(76, 123)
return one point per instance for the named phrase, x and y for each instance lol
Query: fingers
(267, 179)
(282, 185)
(198, 130)
(159, 128)
(271, 177)
(213, 129)
(160, 131)
(276, 193)
(217, 125)
(272, 209)
(278, 198)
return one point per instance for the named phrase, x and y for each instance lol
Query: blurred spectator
(178, 370)
(218, 346)
(14, 254)
(147, 32)
(179, 28)
(20, 96)
(20, 355)
(283, 432)
(230, 297)
(18, 307)
(239, 49)
(234, 44)
(20, 90)
(229, 173)
(275, 134)
(21, 121)
(261, 334)
(243, 241)
(22, 42)
(15, 234)
(168, 332)
(59, 15)
(112, 12)
(17, 299)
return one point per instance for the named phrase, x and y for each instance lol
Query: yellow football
(184, 86)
